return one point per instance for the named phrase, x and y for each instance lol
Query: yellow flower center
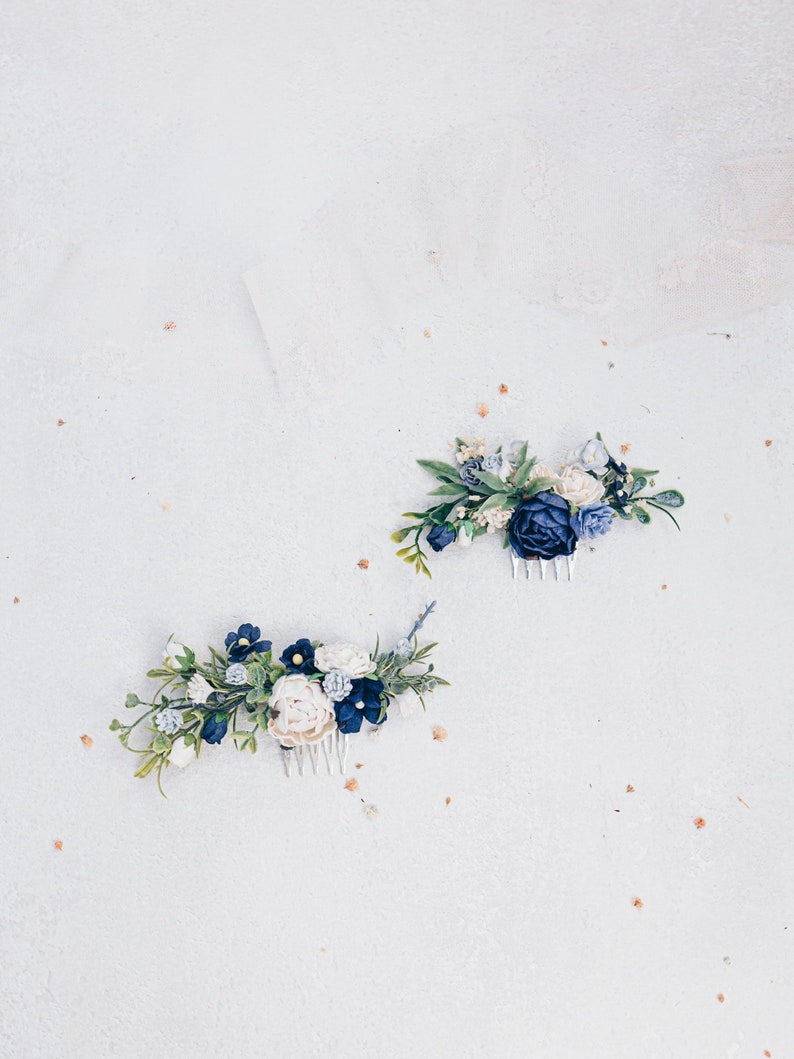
(243, 642)
(297, 660)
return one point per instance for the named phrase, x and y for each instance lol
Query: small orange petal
(352, 785)
(86, 740)
(61, 422)
(503, 389)
(768, 442)
(629, 789)
(17, 599)
(664, 588)
(363, 564)
(58, 844)
(604, 342)
(426, 333)
(625, 449)
(638, 902)
(721, 997)
(482, 410)
(767, 1053)
(699, 822)
(359, 765)
(169, 326)
(439, 733)
(447, 800)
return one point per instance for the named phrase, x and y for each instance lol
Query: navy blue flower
(363, 703)
(440, 536)
(470, 470)
(299, 657)
(592, 521)
(541, 527)
(245, 642)
(215, 726)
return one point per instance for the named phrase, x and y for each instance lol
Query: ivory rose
(354, 660)
(301, 711)
(578, 488)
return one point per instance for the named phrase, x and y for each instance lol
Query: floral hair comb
(310, 700)
(543, 514)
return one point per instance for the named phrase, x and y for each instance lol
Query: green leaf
(115, 724)
(161, 743)
(399, 535)
(521, 455)
(449, 489)
(539, 485)
(664, 510)
(622, 513)
(522, 474)
(641, 514)
(132, 700)
(147, 766)
(420, 515)
(190, 739)
(638, 484)
(492, 481)
(445, 472)
(493, 501)
(670, 498)
(642, 472)
(404, 551)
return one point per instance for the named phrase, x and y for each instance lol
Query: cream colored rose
(181, 754)
(347, 656)
(302, 712)
(542, 470)
(578, 488)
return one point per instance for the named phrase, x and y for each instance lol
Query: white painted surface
(153, 154)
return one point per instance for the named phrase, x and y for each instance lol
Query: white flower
(542, 470)
(407, 702)
(465, 535)
(404, 648)
(578, 487)
(590, 456)
(496, 518)
(301, 711)
(175, 654)
(181, 754)
(198, 689)
(168, 721)
(460, 512)
(237, 674)
(354, 660)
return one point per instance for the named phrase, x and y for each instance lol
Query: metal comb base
(334, 748)
(543, 565)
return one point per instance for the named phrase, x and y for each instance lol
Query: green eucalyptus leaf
(639, 483)
(132, 700)
(641, 514)
(399, 535)
(445, 472)
(115, 724)
(669, 498)
(621, 512)
(490, 481)
(521, 476)
(161, 743)
(642, 472)
(449, 489)
(539, 485)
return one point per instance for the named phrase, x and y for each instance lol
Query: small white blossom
(198, 689)
(237, 674)
(181, 754)
(168, 721)
(371, 811)
(460, 512)
(175, 654)
(495, 519)
(403, 648)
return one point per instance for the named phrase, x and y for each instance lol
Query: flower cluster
(543, 512)
(313, 690)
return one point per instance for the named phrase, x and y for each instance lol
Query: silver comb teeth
(543, 565)
(334, 747)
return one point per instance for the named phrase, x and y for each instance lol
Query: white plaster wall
(271, 178)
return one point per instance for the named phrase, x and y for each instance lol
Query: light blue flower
(404, 648)
(237, 674)
(337, 685)
(168, 721)
(590, 456)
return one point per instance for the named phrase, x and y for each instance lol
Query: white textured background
(525, 182)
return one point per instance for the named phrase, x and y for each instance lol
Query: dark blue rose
(469, 472)
(440, 536)
(363, 703)
(541, 526)
(215, 726)
(592, 521)
(245, 642)
(299, 657)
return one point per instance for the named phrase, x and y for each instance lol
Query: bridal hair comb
(542, 513)
(310, 700)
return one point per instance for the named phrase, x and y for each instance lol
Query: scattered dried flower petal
(629, 789)
(604, 342)
(17, 599)
(721, 997)
(169, 326)
(371, 811)
(767, 1053)
(482, 410)
(58, 844)
(744, 803)
(165, 507)
(727, 517)
(363, 564)
(664, 588)
(699, 822)
(768, 442)
(426, 333)
(447, 800)
(439, 733)
(359, 765)
(352, 785)
(432, 255)
(625, 449)
(638, 902)
(61, 422)
(503, 388)
(86, 740)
